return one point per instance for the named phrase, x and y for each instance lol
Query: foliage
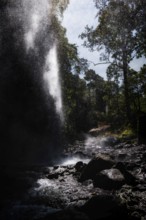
(73, 87)
(127, 132)
(120, 32)
(136, 18)
(58, 6)
(88, 99)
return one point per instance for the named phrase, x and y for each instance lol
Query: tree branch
(95, 64)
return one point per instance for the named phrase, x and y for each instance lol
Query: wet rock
(97, 164)
(64, 191)
(79, 165)
(56, 167)
(140, 187)
(26, 212)
(53, 176)
(135, 201)
(111, 179)
(66, 215)
(142, 128)
(46, 170)
(121, 156)
(109, 141)
(135, 215)
(59, 171)
(129, 178)
(88, 182)
(105, 207)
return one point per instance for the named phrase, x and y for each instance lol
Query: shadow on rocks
(105, 207)
(66, 215)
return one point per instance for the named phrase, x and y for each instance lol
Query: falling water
(29, 82)
(51, 77)
(36, 18)
(38, 15)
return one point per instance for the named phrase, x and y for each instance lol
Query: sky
(78, 14)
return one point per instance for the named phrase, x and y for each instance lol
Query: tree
(137, 85)
(95, 95)
(73, 87)
(139, 15)
(117, 33)
(142, 80)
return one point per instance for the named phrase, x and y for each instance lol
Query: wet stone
(53, 176)
(56, 167)
(111, 179)
(79, 165)
(130, 179)
(97, 164)
(104, 207)
(105, 192)
(122, 156)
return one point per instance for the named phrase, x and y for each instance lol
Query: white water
(74, 160)
(51, 78)
(37, 16)
(43, 183)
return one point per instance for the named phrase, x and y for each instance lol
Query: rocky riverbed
(100, 178)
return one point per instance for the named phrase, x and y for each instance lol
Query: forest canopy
(90, 100)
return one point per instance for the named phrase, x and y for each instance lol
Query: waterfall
(31, 103)
(51, 77)
(38, 15)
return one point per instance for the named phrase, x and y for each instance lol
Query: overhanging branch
(95, 64)
(106, 62)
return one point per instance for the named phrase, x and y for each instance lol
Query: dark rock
(46, 170)
(122, 156)
(119, 146)
(88, 182)
(140, 187)
(129, 178)
(111, 179)
(109, 141)
(79, 165)
(142, 129)
(135, 215)
(66, 215)
(105, 207)
(56, 167)
(53, 176)
(97, 164)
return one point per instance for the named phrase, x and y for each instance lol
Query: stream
(41, 192)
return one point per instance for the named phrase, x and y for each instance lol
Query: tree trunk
(126, 86)
(139, 103)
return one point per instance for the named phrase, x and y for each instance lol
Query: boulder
(65, 215)
(111, 179)
(129, 178)
(142, 129)
(78, 166)
(97, 164)
(105, 207)
(53, 176)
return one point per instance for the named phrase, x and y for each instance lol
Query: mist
(30, 110)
